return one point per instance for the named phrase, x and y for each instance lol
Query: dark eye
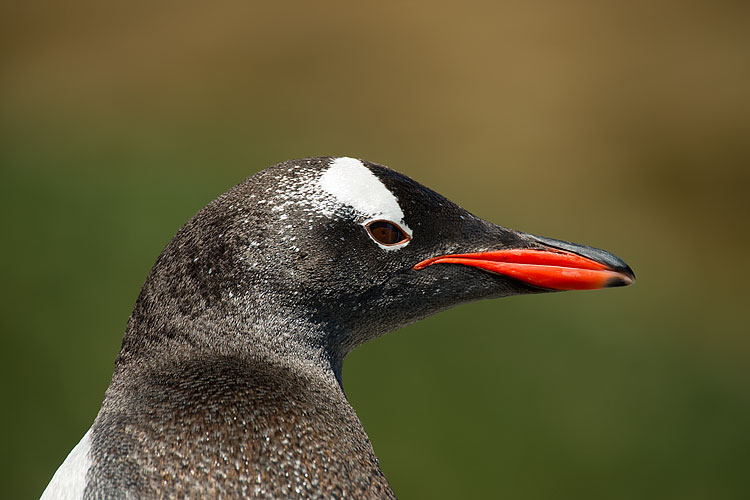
(386, 232)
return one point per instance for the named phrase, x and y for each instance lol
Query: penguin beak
(558, 265)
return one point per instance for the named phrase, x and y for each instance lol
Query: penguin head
(332, 252)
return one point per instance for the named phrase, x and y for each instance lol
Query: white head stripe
(351, 183)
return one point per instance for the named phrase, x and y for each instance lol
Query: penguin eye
(386, 232)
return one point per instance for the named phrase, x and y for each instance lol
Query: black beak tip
(625, 278)
(612, 261)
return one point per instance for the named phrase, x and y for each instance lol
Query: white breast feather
(69, 481)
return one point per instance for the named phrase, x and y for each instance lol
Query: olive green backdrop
(623, 125)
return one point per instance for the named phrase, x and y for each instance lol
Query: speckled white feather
(353, 184)
(69, 481)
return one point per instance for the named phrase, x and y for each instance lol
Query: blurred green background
(623, 125)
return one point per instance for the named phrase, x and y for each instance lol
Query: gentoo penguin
(228, 383)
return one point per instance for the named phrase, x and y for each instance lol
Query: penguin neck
(244, 403)
(279, 336)
(297, 342)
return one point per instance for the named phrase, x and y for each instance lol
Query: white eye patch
(352, 184)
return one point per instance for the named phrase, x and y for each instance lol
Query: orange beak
(552, 269)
